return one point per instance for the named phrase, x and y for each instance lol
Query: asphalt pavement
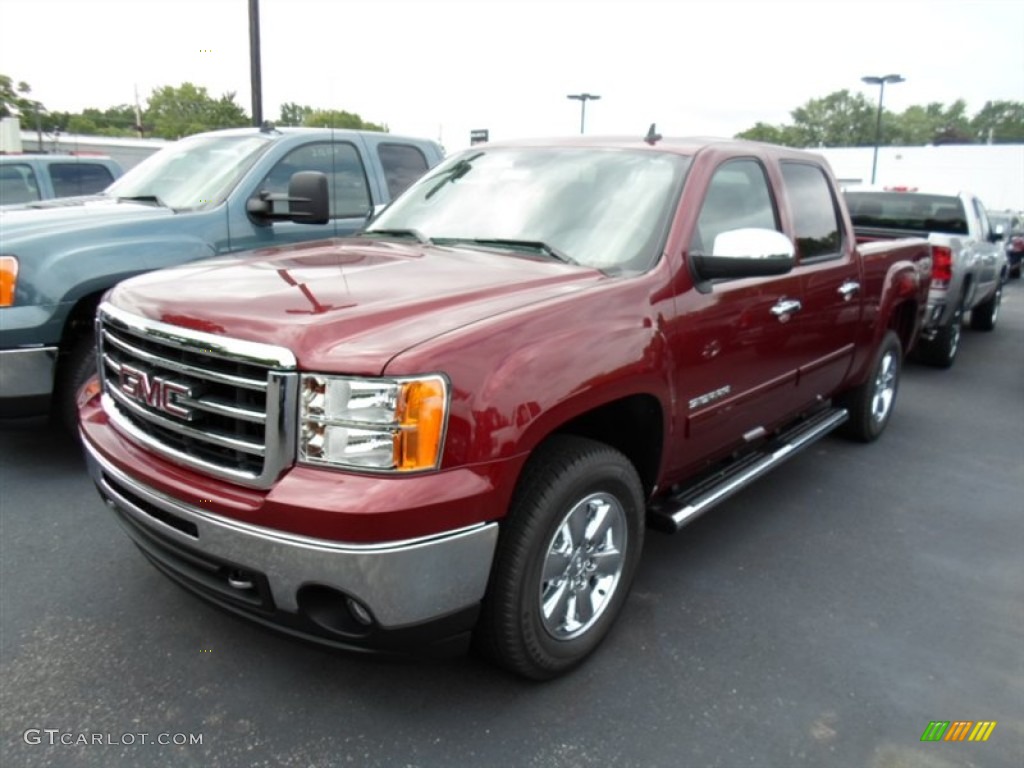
(822, 617)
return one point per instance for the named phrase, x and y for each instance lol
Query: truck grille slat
(181, 394)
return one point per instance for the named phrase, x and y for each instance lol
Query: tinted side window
(815, 218)
(340, 162)
(737, 197)
(79, 178)
(403, 164)
(17, 184)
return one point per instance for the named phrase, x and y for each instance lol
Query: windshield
(192, 173)
(603, 208)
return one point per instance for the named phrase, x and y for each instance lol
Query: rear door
(830, 280)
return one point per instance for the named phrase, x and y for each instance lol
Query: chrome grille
(222, 406)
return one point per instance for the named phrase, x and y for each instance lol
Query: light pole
(879, 81)
(583, 98)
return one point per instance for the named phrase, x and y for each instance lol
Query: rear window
(79, 178)
(907, 211)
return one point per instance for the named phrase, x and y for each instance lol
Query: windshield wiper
(456, 172)
(144, 199)
(415, 234)
(535, 246)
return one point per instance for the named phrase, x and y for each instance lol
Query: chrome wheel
(885, 387)
(583, 566)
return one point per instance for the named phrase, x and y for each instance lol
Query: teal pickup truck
(28, 178)
(206, 195)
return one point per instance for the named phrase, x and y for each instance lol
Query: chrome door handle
(848, 288)
(785, 307)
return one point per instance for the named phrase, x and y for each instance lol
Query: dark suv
(1010, 226)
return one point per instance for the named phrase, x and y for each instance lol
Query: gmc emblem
(154, 391)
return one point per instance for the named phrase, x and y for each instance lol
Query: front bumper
(413, 595)
(26, 380)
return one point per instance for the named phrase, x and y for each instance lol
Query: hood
(350, 305)
(58, 215)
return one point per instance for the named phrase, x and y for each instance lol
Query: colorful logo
(958, 730)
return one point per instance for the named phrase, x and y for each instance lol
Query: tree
(294, 114)
(338, 118)
(176, 112)
(785, 135)
(1000, 121)
(844, 120)
(14, 98)
(840, 119)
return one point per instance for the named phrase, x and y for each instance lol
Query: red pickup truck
(462, 420)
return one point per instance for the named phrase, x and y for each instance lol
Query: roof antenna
(267, 127)
(652, 136)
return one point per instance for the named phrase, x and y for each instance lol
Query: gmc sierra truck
(969, 266)
(205, 195)
(460, 421)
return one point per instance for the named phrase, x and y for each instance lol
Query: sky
(440, 69)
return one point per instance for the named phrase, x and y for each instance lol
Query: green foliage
(338, 118)
(175, 112)
(1004, 120)
(14, 98)
(842, 119)
(293, 114)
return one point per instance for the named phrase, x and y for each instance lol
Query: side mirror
(998, 233)
(746, 252)
(307, 201)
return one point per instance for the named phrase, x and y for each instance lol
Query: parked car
(30, 178)
(1009, 225)
(969, 264)
(205, 195)
(463, 417)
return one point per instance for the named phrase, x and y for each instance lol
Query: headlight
(374, 424)
(8, 279)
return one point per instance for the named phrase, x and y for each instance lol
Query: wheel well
(632, 425)
(902, 322)
(80, 323)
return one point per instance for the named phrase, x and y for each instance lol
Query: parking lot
(822, 617)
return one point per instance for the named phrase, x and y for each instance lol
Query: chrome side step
(672, 512)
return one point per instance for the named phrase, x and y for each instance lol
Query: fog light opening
(334, 611)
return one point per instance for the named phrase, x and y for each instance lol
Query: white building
(993, 172)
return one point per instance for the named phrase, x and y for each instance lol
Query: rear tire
(566, 557)
(870, 405)
(985, 315)
(941, 350)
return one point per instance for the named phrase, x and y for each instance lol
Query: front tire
(870, 405)
(566, 558)
(76, 369)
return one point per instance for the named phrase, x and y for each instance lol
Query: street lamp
(879, 81)
(583, 98)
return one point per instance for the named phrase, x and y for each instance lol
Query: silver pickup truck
(969, 264)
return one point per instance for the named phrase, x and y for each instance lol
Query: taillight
(942, 266)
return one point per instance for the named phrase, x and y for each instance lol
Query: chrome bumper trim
(401, 582)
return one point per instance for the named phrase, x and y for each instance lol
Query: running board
(673, 512)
